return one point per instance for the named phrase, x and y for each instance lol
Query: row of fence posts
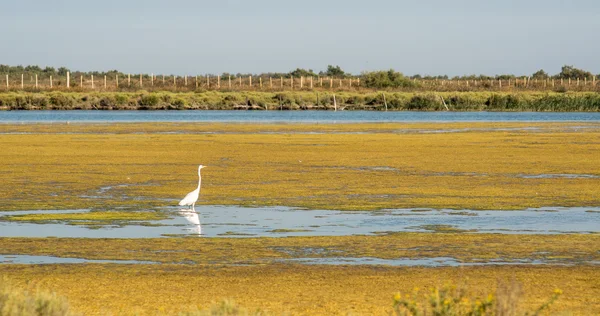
(524, 82)
(352, 82)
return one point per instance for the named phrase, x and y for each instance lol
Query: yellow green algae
(329, 166)
(465, 247)
(108, 289)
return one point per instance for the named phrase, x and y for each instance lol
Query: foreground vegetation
(303, 100)
(337, 166)
(448, 300)
(100, 289)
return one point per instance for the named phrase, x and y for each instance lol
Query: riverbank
(303, 100)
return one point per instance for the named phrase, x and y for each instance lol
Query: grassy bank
(303, 100)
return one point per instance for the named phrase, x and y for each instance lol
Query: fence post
(350, 82)
(219, 82)
(330, 83)
(185, 80)
(301, 81)
(578, 81)
(50, 82)
(281, 82)
(260, 82)
(152, 79)
(174, 81)
(340, 82)
(240, 82)
(104, 82)
(250, 81)
(81, 81)
(117, 80)
(129, 80)
(7, 85)
(270, 82)
(163, 79)
(311, 82)
(321, 81)
(92, 81)
(36, 81)
(358, 82)
(207, 82)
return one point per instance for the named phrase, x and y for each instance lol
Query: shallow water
(290, 116)
(415, 262)
(233, 221)
(406, 262)
(27, 259)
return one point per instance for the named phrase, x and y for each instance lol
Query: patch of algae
(328, 166)
(107, 289)
(571, 249)
(95, 218)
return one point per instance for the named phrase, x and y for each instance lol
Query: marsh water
(239, 222)
(291, 116)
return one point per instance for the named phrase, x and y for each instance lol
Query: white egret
(192, 197)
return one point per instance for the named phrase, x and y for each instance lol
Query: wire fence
(80, 82)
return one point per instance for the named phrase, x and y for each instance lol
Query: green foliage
(334, 71)
(570, 72)
(423, 102)
(386, 79)
(302, 73)
(540, 74)
(293, 100)
(149, 100)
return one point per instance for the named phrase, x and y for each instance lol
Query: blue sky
(197, 37)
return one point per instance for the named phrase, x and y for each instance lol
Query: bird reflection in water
(191, 216)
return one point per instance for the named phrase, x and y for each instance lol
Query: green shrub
(386, 79)
(423, 102)
(149, 100)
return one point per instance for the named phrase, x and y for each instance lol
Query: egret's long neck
(199, 180)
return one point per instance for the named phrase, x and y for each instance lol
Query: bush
(424, 102)
(149, 100)
(17, 302)
(386, 79)
(451, 300)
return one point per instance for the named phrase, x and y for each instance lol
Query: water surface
(291, 116)
(233, 221)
